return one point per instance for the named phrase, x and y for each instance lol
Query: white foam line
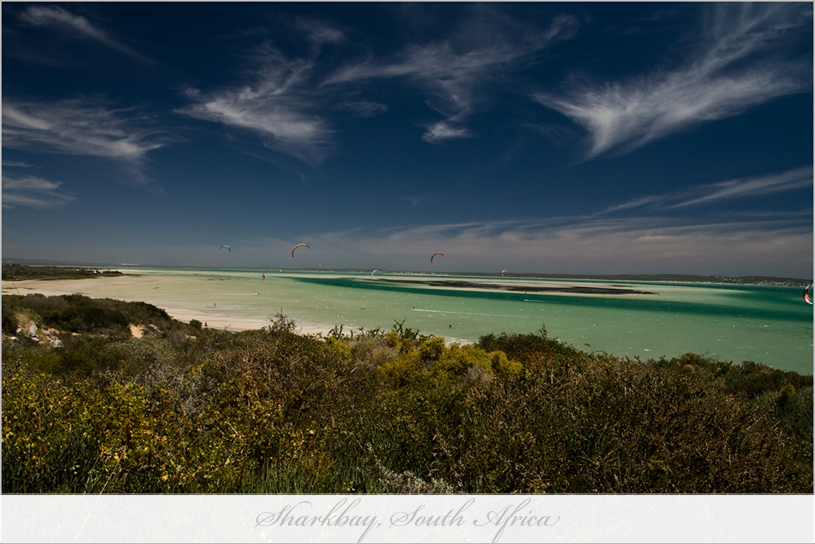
(464, 313)
(458, 340)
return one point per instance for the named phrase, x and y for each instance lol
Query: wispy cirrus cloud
(753, 186)
(362, 108)
(738, 65)
(790, 180)
(287, 100)
(79, 127)
(319, 32)
(62, 19)
(280, 105)
(33, 192)
(444, 130)
(766, 246)
(453, 72)
(17, 164)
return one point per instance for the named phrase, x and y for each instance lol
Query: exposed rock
(52, 339)
(39, 334)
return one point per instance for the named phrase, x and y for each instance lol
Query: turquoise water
(766, 324)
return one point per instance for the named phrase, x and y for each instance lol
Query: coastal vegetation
(132, 401)
(18, 272)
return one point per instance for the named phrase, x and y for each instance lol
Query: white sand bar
(165, 291)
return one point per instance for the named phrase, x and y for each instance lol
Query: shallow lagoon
(767, 324)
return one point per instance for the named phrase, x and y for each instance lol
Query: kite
(502, 272)
(806, 294)
(431, 258)
(374, 272)
(227, 247)
(295, 247)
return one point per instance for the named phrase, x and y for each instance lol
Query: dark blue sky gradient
(595, 138)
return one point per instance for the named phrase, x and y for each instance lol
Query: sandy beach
(171, 291)
(133, 287)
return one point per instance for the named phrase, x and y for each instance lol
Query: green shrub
(431, 349)
(457, 360)
(403, 371)
(271, 411)
(88, 319)
(534, 350)
(10, 323)
(78, 313)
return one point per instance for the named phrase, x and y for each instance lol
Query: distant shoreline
(659, 278)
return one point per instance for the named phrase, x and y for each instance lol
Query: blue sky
(585, 138)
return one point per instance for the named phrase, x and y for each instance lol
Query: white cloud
(454, 71)
(790, 180)
(363, 108)
(444, 131)
(732, 71)
(78, 128)
(33, 192)
(285, 99)
(17, 164)
(60, 18)
(319, 32)
(753, 186)
(585, 245)
(636, 203)
(278, 106)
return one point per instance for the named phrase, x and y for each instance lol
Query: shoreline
(139, 285)
(233, 323)
(109, 287)
(726, 324)
(716, 279)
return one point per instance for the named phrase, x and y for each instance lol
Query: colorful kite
(431, 258)
(295, 247)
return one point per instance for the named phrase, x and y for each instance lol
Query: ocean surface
(766, 324)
